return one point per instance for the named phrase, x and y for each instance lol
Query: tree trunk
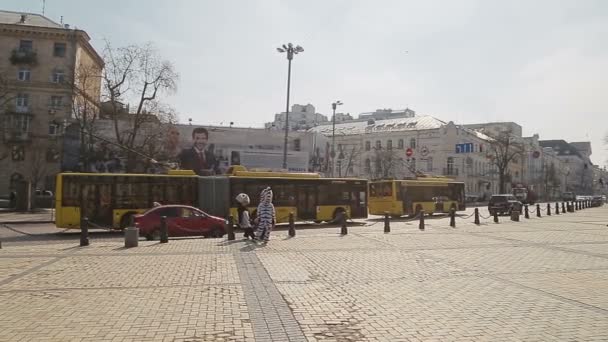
(501, 182)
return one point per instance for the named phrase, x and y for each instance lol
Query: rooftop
(31, 19)
(388, 125)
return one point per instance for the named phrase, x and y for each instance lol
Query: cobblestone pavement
(536, 280)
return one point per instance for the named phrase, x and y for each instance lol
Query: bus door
(97, 203)
(358, 204)
(306, 201)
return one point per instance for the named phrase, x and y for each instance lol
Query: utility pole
(333, 135)
(290, 50)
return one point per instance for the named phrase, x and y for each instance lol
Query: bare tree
(385, 164)
(137, 75)
(37, 171)
(85, 109)
(5, 99)
(346, 159)
(504, 150)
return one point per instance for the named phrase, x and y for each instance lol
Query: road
(540, 279)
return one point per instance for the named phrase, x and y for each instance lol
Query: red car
(182, 220)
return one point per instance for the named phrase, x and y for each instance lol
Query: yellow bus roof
(170, 174)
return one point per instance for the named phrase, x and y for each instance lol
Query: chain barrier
(466, 217)
(30, 234)
(94, 225)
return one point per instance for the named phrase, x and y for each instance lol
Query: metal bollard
(538, 210)
(556, 208)
(515, 215)
(421, 224)
(292, 225)
(476, 216)
(548, 209)
(495, 216)
(526, 212)
(164, 233)
(387, 223)
(131, 237)
(452, 218)
(343, 228)
(84, 232)
(0, 244)
(564, 208)
(230, 228)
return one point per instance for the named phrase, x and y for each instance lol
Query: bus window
(387, 190)
(70, 196)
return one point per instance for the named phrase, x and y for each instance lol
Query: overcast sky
(542, 63)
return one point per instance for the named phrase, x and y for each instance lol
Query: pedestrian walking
(266, 215)
(244, 222)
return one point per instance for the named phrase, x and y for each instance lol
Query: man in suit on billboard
(200, 157)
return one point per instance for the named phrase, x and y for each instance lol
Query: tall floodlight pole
(333, 134)
(290, 50)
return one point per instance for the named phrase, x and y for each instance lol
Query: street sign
(409, 152)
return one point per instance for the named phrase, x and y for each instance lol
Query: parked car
(597, 201)
(568, 196)
(182, 220)
(503, 204)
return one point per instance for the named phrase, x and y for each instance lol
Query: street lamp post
(290, 50)
(333, 134)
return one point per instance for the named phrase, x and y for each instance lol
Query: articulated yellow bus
(110, 199)
(410, 196)
(307, 195)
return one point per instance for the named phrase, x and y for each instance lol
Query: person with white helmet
(244, 221)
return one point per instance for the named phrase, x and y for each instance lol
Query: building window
(20, 123)
(378, 144)
(400, 144)
(24, 74)
(413, 164)
(17, 153)
(26, 45)
(389, 144)
(368, 146)
(22, 102)
(450, 166)
(59, 50)
(429, 164)
(368, 165)
(413, 143)
(57, 102)
(58, 76)
(53, 129)
(52, 155)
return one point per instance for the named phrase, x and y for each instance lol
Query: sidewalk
(37, 216)
(539, 279)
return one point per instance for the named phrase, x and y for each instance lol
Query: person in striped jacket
(266, 216)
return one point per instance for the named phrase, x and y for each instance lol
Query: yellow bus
(410, 196)
(109, 199)
(309, 196)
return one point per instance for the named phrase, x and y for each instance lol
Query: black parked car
(503, 204)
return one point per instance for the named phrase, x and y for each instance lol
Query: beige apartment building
(42, 65)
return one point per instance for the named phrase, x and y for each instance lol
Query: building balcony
(12, 136)
(450, 172)
(23, 57)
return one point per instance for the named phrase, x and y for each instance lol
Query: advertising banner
(207, 150)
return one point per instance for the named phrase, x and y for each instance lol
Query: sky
(542, 63)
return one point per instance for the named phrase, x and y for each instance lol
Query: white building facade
(403, 147)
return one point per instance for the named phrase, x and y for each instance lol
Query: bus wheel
(336, 215)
